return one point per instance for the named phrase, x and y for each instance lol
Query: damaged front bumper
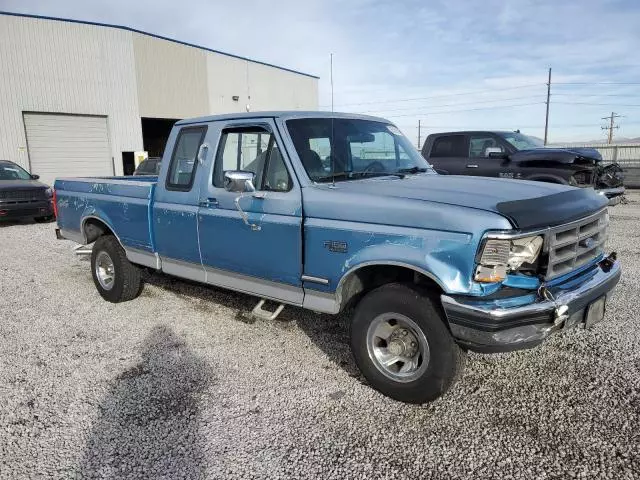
(614, 194)
(491, 326)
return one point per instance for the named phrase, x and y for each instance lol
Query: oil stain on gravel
(148, 422)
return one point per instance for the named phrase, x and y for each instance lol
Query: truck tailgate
(123, 203)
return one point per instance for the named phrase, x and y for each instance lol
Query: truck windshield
(11, 171)
(349, 149)
(522, 142)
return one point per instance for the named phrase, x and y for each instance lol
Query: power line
(596, 95)
(378, 102)
(468, 127)
(423, 113)
(600, 104)
(474, 92)
(597, 83)
(452, 104)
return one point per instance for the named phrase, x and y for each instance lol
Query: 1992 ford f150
(331, 211)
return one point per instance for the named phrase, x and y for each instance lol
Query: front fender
(445, 257)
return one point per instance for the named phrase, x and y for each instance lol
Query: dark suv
(514, 155)
(22, 196)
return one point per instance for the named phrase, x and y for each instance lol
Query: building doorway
(155, 132)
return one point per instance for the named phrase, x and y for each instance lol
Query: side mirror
(35, 177)
(496, 152)
(239, 181)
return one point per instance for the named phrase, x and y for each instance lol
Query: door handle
(209, 202)
(472, 165)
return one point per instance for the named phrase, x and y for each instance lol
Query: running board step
(259, 312)
(83, 249)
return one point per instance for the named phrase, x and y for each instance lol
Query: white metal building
(78, 98)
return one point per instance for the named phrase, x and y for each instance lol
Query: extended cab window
(449, 146)
(253, 150)
(478, 145)
(183, 165)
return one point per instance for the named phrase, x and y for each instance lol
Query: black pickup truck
(514, 155)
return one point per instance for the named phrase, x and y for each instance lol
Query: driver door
(262, 256)
(480, 164)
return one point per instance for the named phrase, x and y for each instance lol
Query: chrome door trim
(317, 301)
(180, 268)
(324, 302)
(254, 286)
(140, 257)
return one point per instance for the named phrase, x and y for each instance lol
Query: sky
(450, 64)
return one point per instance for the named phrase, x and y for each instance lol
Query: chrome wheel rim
(105, 271)
(397, 347)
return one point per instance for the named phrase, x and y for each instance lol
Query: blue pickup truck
(331, 211)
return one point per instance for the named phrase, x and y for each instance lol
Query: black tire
(46, 219)
(445, 359)
(126, 283)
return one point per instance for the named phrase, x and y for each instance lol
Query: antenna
(331, 60)
(333, 157)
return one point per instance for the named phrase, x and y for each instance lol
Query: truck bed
(124, 203)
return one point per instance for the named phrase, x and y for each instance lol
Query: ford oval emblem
(587, 242)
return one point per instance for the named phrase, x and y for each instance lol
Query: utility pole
(611, 126)
(546, 120)
(418, 134)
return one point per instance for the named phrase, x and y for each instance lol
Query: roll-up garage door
(67, 146)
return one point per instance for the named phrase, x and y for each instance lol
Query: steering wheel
(374, 167)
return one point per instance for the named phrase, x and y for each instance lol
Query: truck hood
(578, 156)
(526, 204)
(13, 185)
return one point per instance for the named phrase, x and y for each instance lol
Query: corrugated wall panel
(172, 78)
(61, 67)
(269, 88)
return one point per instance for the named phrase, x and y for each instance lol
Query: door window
(449, 146)
(252, 150)
(183, 165)
(479, 144)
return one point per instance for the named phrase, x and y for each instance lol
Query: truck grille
(22, 196)
(575, 244)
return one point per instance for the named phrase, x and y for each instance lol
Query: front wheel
(402, 345)
(116, 279)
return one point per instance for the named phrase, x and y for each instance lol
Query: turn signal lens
(495, 252)
(493, 274)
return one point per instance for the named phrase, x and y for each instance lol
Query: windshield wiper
(412, 170)
(352, 175)
(336, 176)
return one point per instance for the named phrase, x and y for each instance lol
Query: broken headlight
(580, 178)
(500, 255)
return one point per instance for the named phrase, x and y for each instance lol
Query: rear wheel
(45, 219)
(402, 346)
(116, 279)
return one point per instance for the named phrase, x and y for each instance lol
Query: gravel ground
(177, 385)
